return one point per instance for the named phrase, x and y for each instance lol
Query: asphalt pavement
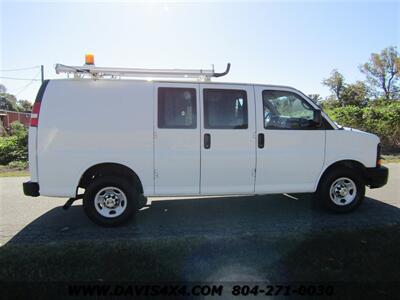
(42, 220)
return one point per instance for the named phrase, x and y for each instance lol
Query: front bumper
(376, 177)
(31, 188)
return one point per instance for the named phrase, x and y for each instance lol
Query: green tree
(24, 105)
(335, 83)
(3, 89)
(355, 94)
(316, 98)
(15, 146)
(330, 103)
(382, 119)
(8, 102)
(383, 72)
(17, 128)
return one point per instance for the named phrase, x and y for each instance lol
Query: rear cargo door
(176, 139)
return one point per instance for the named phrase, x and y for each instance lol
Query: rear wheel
(110, 201)
(341, 190)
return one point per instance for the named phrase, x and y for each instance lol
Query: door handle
(207, 141)
(261, 140)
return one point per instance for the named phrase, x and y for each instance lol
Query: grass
(361, 256)
(6, 171)
(391, 158)
(14, 173)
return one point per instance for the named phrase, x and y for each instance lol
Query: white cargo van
(122, 140)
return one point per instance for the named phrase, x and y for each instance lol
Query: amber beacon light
(89, 59)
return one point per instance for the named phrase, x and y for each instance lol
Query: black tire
(324, 190)
(130, 207)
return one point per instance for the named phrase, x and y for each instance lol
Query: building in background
(7, 117)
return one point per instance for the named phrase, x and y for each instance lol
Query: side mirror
(317, 118)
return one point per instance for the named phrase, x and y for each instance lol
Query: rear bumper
(376, 177)
(31, 188)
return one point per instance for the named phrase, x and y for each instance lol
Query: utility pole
(42, 71)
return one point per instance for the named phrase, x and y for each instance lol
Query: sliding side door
(176, 139)
(227, 139)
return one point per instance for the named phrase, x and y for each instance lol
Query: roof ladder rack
(101, 72)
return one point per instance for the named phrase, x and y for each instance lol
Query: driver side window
(286, 110)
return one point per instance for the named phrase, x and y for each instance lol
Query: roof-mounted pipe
(228, 67)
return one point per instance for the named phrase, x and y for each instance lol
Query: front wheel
(110, 201)
(341, 190)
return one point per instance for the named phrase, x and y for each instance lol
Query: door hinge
(155, 173)
(253, 173)
(154, 134)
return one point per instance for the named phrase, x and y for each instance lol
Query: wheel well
(350, 164)
(110, 169)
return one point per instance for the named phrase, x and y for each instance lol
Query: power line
(29, 83)
(23, 88)
(20, 69)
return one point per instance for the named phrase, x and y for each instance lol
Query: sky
(295, 43)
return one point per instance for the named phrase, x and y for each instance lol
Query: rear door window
(177, 108)
(225, 109)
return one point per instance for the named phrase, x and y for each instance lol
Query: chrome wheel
(343, 191)
(110, 202)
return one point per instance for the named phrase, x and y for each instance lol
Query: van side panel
(87, 122)
(350, 145)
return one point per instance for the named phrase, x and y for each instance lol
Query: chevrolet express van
(121, 140)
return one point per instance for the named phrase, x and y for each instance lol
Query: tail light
(35, 114)
(36, 105)
(378, 156)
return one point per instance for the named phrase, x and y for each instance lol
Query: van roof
(176, 81)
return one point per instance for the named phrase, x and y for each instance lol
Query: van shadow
(234, 216)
